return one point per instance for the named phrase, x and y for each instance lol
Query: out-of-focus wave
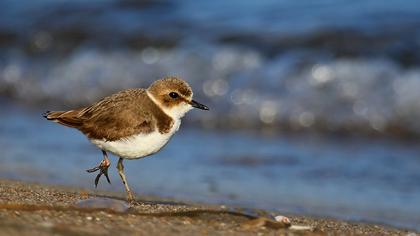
(242, 87)
(324, 67)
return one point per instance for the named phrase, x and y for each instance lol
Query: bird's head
(174, 96)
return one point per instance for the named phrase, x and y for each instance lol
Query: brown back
(118, 116)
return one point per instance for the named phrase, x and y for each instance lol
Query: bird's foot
(130, 199)
(103, 170)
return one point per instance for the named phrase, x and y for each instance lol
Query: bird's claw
(94, 169)
(103, 170)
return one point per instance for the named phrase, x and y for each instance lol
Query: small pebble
(89, 218)
(282, 219)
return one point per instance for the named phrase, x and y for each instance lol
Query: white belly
(137, 146)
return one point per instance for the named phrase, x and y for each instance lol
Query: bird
(131, 124)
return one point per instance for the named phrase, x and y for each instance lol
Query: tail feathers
(45, 115)
(67, 118)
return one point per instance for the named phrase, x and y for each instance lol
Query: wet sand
(28, 209)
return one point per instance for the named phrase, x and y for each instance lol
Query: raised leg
(103, 169)
(120, 168)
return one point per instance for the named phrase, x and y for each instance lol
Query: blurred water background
(314, 104)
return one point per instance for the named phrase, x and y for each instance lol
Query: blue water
(324, 66)
(374, 180)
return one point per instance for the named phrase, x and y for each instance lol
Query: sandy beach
(28, 208)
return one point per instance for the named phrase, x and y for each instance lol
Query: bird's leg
(103, 169)
(120, 168)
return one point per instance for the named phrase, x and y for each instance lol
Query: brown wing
(118, 116)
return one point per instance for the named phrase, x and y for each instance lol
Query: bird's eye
(173, 95)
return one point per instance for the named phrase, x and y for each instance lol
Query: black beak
(198, 105)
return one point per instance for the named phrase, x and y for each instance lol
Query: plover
(132, 123)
